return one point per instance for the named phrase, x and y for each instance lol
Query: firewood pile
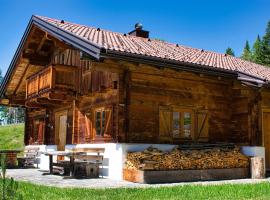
(214, 158)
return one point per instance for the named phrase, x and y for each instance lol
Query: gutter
(190, 67)
(259, 82)
(160, 62)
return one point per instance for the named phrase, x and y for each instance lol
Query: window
(183, 123)
(103, 122)
(187, 125)
(176, 124)
(100, 122)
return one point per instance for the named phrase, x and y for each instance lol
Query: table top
(63, 153)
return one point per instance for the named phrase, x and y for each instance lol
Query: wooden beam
(59, 43)
(42, 42)
(4, 102)
(24, 72)
(30, 104)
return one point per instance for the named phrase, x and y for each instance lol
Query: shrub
(9, 187)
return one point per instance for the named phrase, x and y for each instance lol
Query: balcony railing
(59, 79)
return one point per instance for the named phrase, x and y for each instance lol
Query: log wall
(132, 96)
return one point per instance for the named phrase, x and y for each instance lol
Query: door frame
(57, 115)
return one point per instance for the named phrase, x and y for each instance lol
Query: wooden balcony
(52, 83)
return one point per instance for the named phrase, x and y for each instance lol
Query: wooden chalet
(85, 85)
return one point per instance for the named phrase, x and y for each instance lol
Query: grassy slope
(11, 136)
(248, 191)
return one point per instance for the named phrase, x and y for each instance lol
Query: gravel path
(43, 178)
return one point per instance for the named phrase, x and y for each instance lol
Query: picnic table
(11, 156)
(70, 154)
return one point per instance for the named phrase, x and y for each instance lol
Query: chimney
(139, 32)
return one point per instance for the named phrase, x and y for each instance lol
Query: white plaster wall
(115, 155)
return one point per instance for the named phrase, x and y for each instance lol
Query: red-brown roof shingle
(160, 49)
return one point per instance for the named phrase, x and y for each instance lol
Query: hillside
(11, 136)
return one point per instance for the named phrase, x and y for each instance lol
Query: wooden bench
(85, 165)
(31, 155)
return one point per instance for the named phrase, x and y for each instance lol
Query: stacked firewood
(214, 158)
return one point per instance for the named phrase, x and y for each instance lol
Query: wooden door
(266, 137)
(61, 129)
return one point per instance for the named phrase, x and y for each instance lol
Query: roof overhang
(97, 52)
(90, 48)
(159, 62)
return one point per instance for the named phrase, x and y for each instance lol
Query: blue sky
(208, 24)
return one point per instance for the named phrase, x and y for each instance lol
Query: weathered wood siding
(132, 96)
(232, 113)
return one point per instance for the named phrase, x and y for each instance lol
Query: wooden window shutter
(88, 129)
(202, 126)
(40, 132)
(108, 132)
(165, 123)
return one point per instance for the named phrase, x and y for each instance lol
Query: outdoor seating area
(79, 162)
(76, 163)
(30, 157)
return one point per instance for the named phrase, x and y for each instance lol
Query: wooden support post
(51, 164)
(257, 168)
(127, 77)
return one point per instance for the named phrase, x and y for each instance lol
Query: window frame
(101, 120)
(181, 112)
(103, 126)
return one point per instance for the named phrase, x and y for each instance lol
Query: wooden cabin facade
(74, 94)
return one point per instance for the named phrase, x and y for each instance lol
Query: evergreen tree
(11, 115)
(257, 51)
(266, 46)
(246, 55)
(3, 109)
(229, 51)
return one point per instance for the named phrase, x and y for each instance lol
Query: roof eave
(88, 47)
(15, 58)
(161, 62)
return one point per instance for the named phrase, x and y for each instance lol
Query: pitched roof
(102, 43)
(133, 45)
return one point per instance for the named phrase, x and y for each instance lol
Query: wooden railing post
(52, 77)
(38, 78)
(26, 92)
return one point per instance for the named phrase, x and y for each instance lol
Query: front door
(61, 129)
(266, 137)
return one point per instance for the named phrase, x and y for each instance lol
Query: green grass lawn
(233, 192)
(11, 136)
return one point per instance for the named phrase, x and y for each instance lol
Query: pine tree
(3, 109)
(246, 55)
(266, 46)
(229, 51)
(257, 51)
